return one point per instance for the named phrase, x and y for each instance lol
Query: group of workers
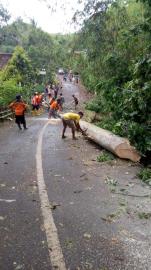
(55, 105)
(71, 77)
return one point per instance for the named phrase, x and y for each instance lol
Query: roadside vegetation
(105, 156)
(145, 175)
(115, 65)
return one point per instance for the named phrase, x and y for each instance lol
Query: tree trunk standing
(117, 145)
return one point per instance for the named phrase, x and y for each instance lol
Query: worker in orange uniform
(54, 107)
(35, 104)
(19, 107)
(40, 100)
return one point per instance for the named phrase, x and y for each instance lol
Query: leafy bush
(8, 90)
(144, 215)
(129, 110)
(145, 175)
(93, 105)
(18, 71)
(19, 67)
(105, 156)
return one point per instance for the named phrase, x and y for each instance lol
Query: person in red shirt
(19, 107)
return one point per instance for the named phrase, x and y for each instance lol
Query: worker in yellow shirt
(71, 120)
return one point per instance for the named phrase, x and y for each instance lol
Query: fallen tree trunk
(115, 144)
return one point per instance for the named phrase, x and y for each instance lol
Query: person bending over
(71, 120)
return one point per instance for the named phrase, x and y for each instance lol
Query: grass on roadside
(143, 215)
(105, 156)
(145, 175)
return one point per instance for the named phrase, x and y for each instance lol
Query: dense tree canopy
(115, 64)
(33, 50)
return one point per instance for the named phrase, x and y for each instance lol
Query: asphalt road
(94, 228)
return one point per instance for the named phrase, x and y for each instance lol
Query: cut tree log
(117, 145)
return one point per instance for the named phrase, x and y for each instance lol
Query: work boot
(33, 113)
(19, 127)
(24, 125)
(38, 112)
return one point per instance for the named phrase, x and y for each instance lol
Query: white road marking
(8, 201)
(55, 252)
(51, 120)
(2, 218)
